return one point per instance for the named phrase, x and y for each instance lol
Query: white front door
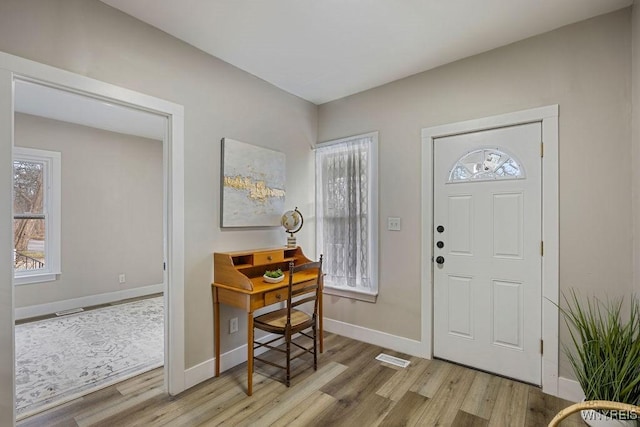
(487, 250)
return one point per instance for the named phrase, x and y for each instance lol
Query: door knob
(440, 229)
(440, 244)
(440, 260)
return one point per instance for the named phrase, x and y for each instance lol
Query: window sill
(34, 278)
(349, 293)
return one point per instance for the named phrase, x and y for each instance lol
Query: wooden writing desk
(238, 282)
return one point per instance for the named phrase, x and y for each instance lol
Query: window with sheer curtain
(347, 217)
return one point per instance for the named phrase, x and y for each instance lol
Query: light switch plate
(393, 223)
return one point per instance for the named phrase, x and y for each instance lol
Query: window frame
(490, 174)
(362, 294)
(51, 207)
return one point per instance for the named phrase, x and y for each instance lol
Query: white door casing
(548, 117)
(487, 274)
(12, 67)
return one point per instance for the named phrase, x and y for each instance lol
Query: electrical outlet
(393, 223)
(233, 325)
(122, 278)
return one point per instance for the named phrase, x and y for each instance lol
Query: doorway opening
(14, 70)
(87, 238)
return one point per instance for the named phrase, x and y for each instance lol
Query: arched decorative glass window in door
(486, 164)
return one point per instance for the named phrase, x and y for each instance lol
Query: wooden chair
(289, 321)
(595, 404)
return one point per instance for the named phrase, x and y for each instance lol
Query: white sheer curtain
(343, 213)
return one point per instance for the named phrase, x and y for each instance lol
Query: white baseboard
(569, 389)
(88, 301)
(371, 336)
(200, 372)
(205, 370)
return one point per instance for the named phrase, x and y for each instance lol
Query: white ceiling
(39, 100)
(323, 50)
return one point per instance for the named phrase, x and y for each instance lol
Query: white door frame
(12, 67)
(548, 117)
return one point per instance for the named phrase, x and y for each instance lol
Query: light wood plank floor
(350, 388)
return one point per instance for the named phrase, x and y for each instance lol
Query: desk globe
(292, 222)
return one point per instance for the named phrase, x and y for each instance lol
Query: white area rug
(61, 359)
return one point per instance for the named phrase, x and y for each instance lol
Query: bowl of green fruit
(273, 276)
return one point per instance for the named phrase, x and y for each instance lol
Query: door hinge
(541, 347)
(542, 149)
(541, 248)
(164, 266)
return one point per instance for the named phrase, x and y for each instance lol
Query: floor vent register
(396, 361)
(68, 312)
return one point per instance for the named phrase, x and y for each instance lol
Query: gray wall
(586, 69)
(93, 39)
(111, 209)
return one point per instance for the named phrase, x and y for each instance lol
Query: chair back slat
(308, 265)
(308, 287)
(308, 292)
(302, 301)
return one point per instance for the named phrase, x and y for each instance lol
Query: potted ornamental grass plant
(605, 354)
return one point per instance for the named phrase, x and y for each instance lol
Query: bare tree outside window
(29, 219)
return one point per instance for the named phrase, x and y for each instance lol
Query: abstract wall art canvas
(253, 185)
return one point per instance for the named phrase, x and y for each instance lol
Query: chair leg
(250, 352)
(315, 349)
(288, 374)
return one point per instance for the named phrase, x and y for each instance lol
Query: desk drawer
(270, 257)
(275, 296)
